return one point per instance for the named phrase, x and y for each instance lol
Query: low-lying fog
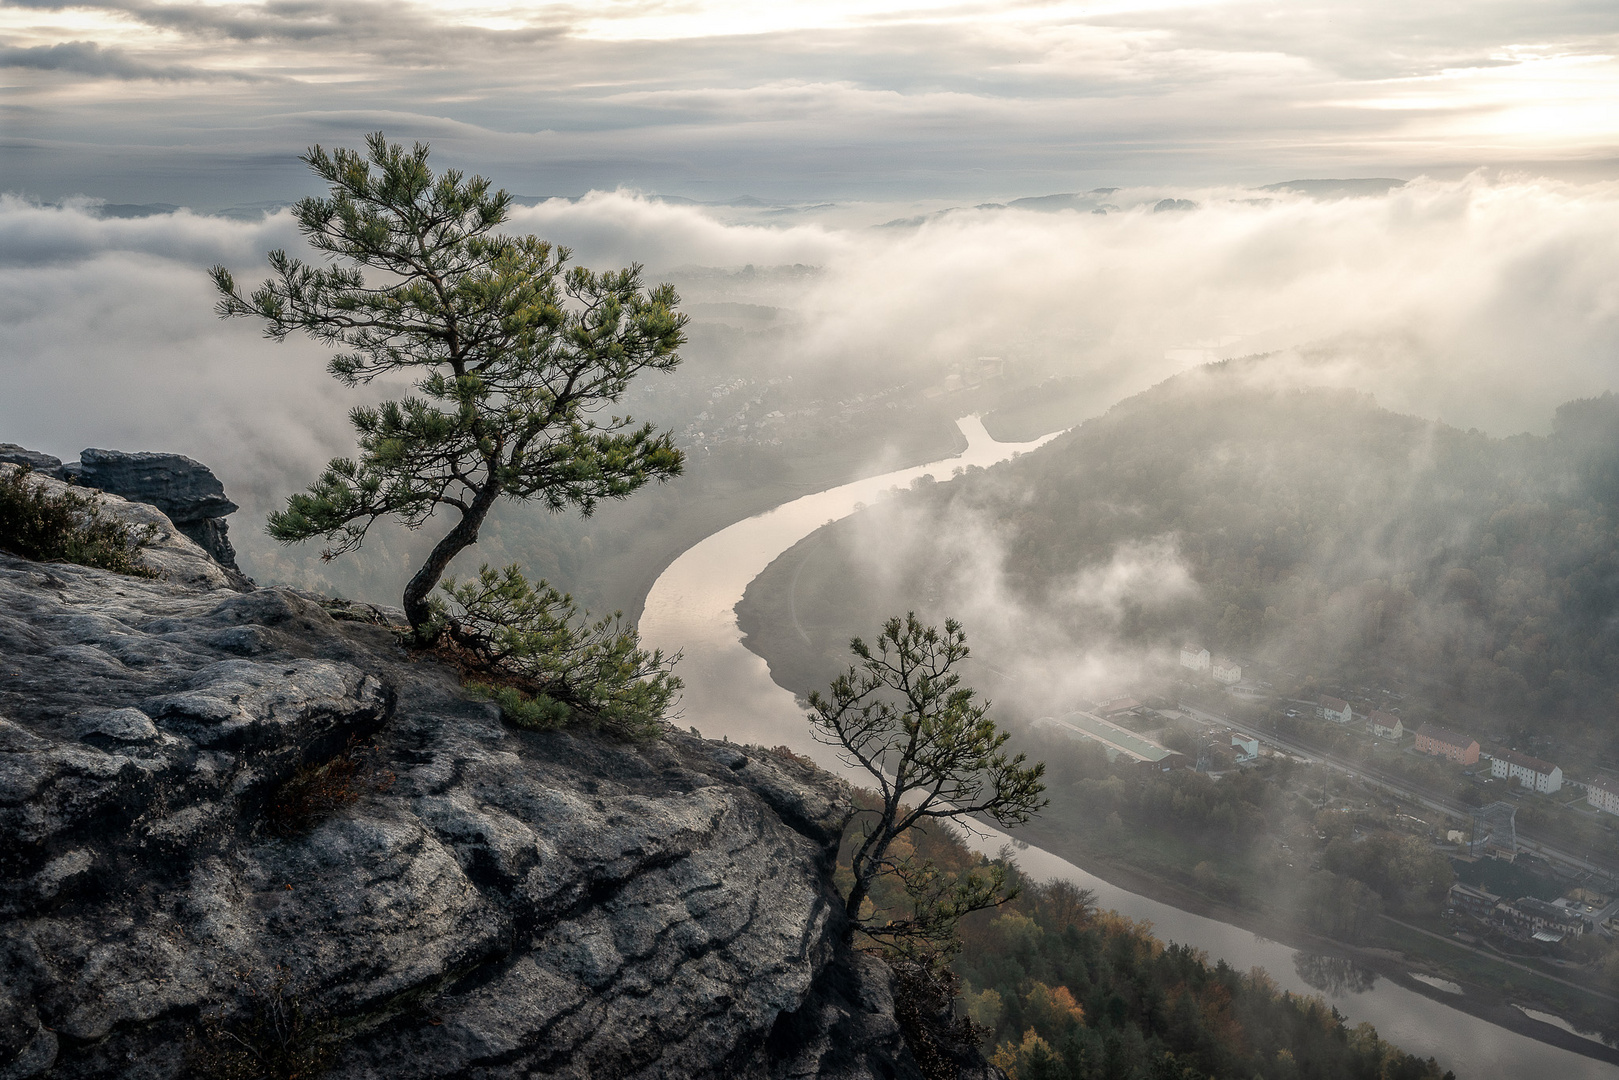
(1483, 302)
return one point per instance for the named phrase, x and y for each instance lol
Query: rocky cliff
(187, 492)
(249, 831)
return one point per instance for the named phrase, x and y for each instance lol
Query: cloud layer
(206, 104)
(1481, 303)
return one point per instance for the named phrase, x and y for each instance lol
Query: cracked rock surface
(494, 903)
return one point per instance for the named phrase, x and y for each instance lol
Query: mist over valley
(1325, 541)
(826, 350)
(940, 541)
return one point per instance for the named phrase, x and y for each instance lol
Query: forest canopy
(1064, 991)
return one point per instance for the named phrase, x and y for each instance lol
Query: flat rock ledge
(496, 903)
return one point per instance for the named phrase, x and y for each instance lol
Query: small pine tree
(902, 714)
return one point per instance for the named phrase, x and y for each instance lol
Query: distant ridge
(673, 200)
(134, 210)
(1338, 189)
(1092, 201)
(1068, 201)
(247, 212)
(253, 211)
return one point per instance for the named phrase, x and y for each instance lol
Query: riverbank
(1399, 956)
(635, 541)
(643, 536)
(693, 608)
(783, 627)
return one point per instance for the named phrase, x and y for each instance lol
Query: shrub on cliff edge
(546, 666)
(66, 527)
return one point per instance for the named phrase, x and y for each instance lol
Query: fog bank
(1479, 302)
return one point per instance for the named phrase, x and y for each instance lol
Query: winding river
(691, 609)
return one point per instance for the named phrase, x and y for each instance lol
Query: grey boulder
(187, 492)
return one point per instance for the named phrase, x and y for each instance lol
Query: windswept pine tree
(515, 357)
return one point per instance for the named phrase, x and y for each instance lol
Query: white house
(1336, 709)
(1195, 657)
(1226, 670)
(1531, 772)
(1603, 793)
(1247, 749)
(1386, 725)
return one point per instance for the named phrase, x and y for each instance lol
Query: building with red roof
(1443, 742)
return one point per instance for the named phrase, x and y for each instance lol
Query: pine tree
(902, 714)
(515, 356)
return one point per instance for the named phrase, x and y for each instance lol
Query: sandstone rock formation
(492, 903)
(186, 491)
(44, 464)
(164, 547)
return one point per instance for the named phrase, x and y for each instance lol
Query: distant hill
(1333, 540)
(253, 211)
(134, 210)
(1090, 200)
(1338, 189)
(1093, 201)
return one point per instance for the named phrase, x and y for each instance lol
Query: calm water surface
(692, 609)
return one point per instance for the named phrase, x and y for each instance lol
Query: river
(692, 609)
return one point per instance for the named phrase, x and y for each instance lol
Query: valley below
(785, 619)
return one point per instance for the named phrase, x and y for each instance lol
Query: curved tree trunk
(851, 906)
(419, 590)
(864, 867)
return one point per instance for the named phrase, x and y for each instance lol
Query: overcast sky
(1479, 296)
(207, 103)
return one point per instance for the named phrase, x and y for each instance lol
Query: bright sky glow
(804, 99)
(633, 22)
(1551, 101)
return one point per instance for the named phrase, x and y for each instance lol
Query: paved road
(1400, 787)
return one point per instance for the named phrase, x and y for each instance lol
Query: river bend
(692, 609)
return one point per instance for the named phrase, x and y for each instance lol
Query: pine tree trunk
(864, 867)
(419, 590)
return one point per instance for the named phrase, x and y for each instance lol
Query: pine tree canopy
(515, 356)
(901, 713)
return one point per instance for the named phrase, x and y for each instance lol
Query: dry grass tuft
(316, 792)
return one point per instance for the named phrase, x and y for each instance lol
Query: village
(1533, 896)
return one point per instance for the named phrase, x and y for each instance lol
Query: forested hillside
(1334, 541)
(1062, 991)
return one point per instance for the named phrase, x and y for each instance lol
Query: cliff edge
(477, 902)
